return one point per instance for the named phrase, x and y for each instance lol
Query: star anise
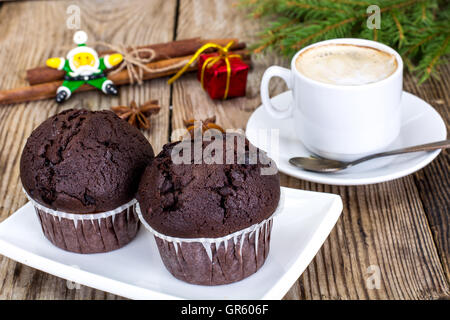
(209, 123)
(137, 116)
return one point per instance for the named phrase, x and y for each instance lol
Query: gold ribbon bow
(224, 54)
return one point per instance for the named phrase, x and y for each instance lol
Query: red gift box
(215, 76)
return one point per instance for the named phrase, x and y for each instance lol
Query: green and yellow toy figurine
(84, 66)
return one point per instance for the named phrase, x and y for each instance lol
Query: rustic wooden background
(402, 226)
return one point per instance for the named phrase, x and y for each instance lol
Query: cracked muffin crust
(80, 161)
(207, 200)
(229, 204)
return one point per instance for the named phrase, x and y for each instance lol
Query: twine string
(135, 64)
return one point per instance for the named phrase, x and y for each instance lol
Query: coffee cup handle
(283, 73)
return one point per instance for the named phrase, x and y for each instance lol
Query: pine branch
(313, 7)
(418, 29)
(399, 28)
(302, 43)
(438, 55)
(356, 3)
(429, 68)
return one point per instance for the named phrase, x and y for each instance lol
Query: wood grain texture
(30, 32)
(382, 225)
(433, 182)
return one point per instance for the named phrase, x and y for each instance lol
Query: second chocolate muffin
(189, 201)
(205, 200)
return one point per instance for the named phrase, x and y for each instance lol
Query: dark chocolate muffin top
(197, 199)
(81, 161)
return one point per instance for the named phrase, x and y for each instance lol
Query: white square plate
(136, 270)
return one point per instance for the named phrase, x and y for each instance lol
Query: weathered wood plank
(433, 182)
(30, 32)
(382, 225)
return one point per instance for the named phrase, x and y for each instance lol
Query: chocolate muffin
(199, 209)
(80, 162)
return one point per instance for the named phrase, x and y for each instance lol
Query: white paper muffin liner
(215, 261)
(88, 233)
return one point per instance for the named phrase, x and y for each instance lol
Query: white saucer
(420, 124)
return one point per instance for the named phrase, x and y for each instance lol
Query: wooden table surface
(401, 226)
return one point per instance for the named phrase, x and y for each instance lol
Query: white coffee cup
(342, 122)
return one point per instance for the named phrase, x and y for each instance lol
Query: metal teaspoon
(328, 165)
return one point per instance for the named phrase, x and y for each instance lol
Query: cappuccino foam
(346, 64)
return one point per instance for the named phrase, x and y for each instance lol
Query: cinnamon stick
(48, 90)
(167, 50)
